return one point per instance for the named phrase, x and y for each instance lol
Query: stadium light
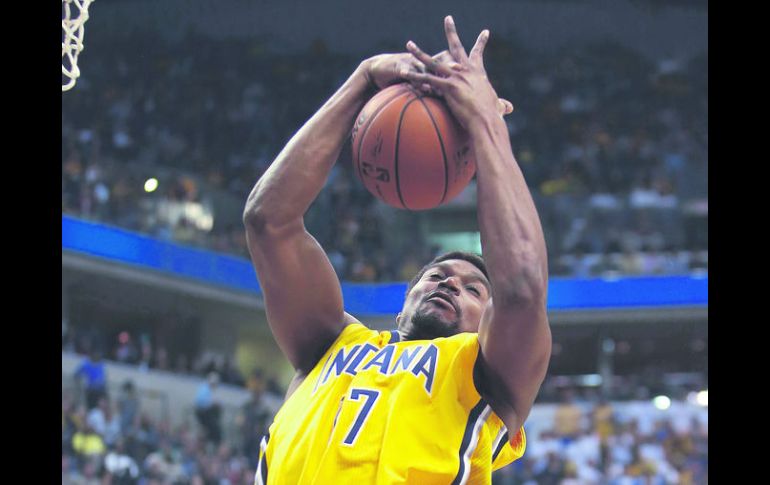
(661, 402)
(151, 184)
(703, 398)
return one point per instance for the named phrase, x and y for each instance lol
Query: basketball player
(441, 399)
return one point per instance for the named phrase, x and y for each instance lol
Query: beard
(427, 326)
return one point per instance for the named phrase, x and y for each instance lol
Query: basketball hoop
(72, 39)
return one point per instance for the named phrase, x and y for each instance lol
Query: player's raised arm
(514, 332)
(303, 298)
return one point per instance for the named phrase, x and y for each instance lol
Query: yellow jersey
(378, 410)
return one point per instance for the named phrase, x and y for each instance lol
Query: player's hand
(462, 80)
(384, 70)
(504, 107)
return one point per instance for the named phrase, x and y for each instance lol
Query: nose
(451, 283)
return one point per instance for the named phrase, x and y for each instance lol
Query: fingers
(434, 82)
(431, 64)
(417, 65)
(409, 64)
(445, 57)
(429, 90)
(477, 53)
(455, 46)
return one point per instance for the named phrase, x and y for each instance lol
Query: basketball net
(74, 15)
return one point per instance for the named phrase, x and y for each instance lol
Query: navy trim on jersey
(473, 416)
(500, 447)
(394, 336)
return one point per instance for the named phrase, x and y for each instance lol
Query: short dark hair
(473, 258)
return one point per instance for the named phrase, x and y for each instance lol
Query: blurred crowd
(584, 439)
(147, 352)
(613, 145)
(614, 434)
(111, 440)
(605, 443)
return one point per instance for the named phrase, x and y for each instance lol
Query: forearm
(511, 234)
(291, 183)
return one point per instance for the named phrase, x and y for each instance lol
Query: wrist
(363, 75)
(487, 124)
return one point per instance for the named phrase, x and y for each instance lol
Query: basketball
(409, 151)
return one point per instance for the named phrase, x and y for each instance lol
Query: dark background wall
(676, 29)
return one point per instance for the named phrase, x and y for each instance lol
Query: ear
(398, 320)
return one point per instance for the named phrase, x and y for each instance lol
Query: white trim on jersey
(498, 439)
(474, 442)
(263, 450)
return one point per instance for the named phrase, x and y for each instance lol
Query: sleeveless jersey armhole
(509, 446)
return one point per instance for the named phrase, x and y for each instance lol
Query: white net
(74, 15)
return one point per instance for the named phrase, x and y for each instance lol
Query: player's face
(449, 298)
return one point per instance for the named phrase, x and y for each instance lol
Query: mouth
(442, 299)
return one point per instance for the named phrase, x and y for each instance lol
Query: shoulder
(353, 332)
(463, 346)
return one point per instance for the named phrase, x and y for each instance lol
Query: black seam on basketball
(366, 128)
(443, 152)
(395, 162)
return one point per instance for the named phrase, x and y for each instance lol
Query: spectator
(230, 373)
(604, 424)
(553, 472)
(146, 352)
(126, 351)
(119, 467)
(105, 422)
(69, 470)
(161, 358)
(571, 476)
(567, 420)
(73, 419)
(254, 418)
(145, 437)
(163, 466)
(92, 370)
(207, 410)
(87, 443)
(90, 473)
(128, 406)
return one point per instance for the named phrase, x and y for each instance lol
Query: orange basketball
(409, 151)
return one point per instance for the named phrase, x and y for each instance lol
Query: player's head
(446, 297)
